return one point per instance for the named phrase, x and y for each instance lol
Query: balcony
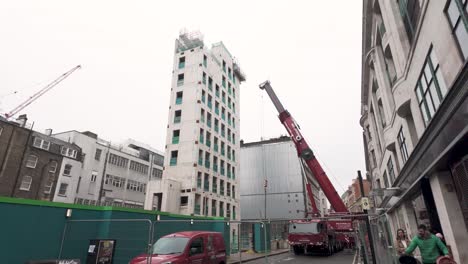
(175, 140)
(173, 162)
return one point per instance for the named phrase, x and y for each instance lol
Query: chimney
(48, 132)
(22, 119)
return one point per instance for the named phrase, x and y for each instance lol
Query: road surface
(290, 258)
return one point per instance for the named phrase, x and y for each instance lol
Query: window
(118, 160)
(135, 186)
(63, 189)
(213, 208)
(196, 247)
(205, 61)
(139, 167)
(94, 176)
(202, 136)
(206, 183)
(26, 183)
(385, 179)
(224, 66)
(391, 170)
(173, 160)
(180, 79)
(66, 151)
(204, 78)
(382, 113)
(31, 161)
(41, 143)
(114, 181)
(200, 157)
(457, 15)
(53, 167)
(402, 144)
(223, 82)
(208, 119)
(214, 188)
(409, 11)
(158, 159)
(430, 88)
(374, 160)
(203, 96)
(97, 155)
(210, 84)
(67, 170)
(181, 62)
(179, 96)
(156, 173)
(175, 136)
(202, 115)
(210, 101)
(183, 200)
(48, 187)
(1, 130)
(177, 116)
(199, 180)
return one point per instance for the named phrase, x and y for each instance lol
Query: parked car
(186, 248)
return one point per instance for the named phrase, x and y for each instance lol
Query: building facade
(352, 196)
(37, 166)
(202, 145)
(114, 174)
(275, 162)
(415, 115)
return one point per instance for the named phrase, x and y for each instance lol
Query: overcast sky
(310, 50)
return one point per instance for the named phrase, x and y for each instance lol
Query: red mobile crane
(326, 235)
(41, 92)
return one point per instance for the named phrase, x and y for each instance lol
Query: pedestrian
(428, 244)
(402, 241)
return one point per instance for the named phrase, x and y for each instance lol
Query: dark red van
(189, 247)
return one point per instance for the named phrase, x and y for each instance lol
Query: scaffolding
(189, 40)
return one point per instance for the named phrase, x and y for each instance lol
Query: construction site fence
(133, 237)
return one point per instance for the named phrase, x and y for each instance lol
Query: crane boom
(305, 152)
(41, 92)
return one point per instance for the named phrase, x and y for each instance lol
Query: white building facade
(202, 146)
(276, 161)
(114, 175)
(414, 115)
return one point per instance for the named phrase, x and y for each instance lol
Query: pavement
(284, 256)
(248, 257)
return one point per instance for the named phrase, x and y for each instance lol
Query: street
(346, 257)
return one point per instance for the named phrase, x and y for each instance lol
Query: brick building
(35, 165)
